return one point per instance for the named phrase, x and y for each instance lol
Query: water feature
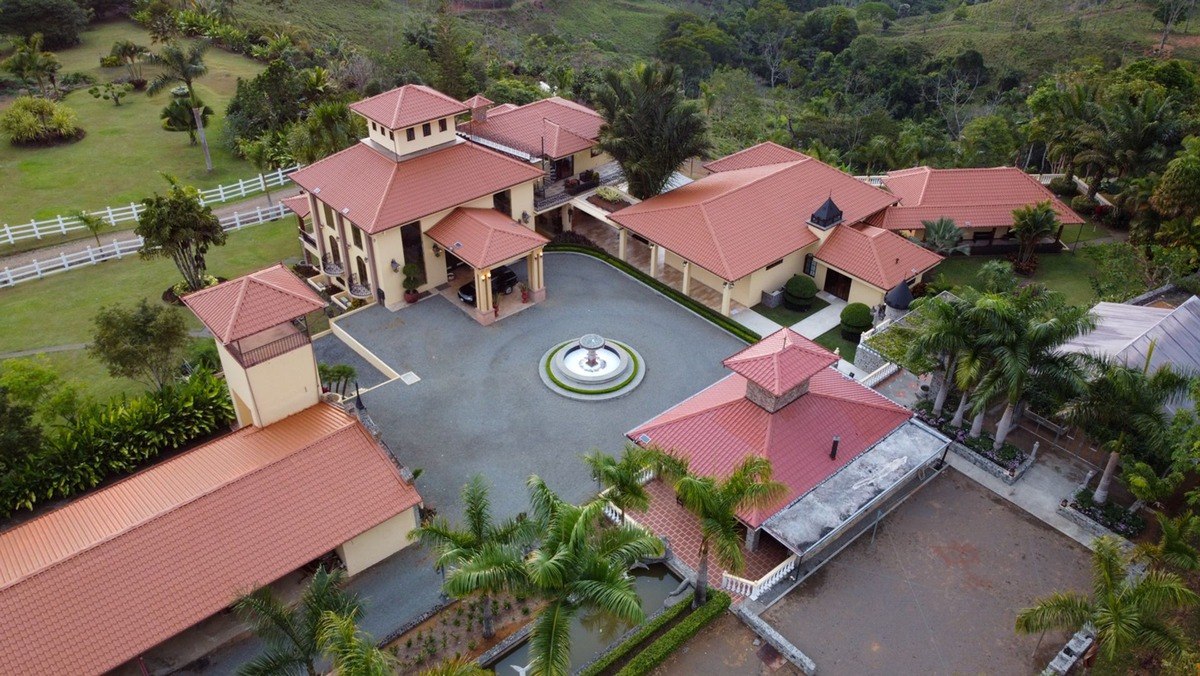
(591, 367)
(591, 632)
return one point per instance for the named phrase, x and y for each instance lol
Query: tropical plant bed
(608, 205)
(456, 632)
(1008, 457)
(1118, 519)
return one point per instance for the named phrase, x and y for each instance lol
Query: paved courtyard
(938, 590)
(480, 406)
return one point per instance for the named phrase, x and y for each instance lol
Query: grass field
(126, 149)
(1065, 272)
(833, 340)
(785, 317)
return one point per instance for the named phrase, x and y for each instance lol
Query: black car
(503, 280)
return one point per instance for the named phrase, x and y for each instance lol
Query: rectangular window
(775, 264)
(810, 265)
(426, 129)
(442, 124)
(328, 216)
(391, 134)
(411, 133)
(357, 236)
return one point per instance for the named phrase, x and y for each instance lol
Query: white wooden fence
(119, 249)
(61, 225)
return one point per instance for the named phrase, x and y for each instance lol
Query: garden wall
(991, 467)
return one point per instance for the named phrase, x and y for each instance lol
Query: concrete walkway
(822, 321)
(756, 322)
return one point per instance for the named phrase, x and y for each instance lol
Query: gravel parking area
(938, 590)
(480, 406)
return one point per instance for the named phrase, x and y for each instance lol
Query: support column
(687, 277)
(316, 233)
(622, 244)
(726, 290)
(654, 260)
(565, 217)
(751, 539)
(483, 291)
(344, 246)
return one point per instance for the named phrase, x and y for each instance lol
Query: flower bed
(456, 632)
(1116, 518)
(1011, 460)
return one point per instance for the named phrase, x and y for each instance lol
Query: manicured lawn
(833, 340)
(1064, 272)
(125, 150)
(785, 317)
(89, 375)
(58, 310)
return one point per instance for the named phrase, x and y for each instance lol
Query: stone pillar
(565, 215)
(751, 539)
(687, 277)
(654, 260)
(622, 244)
(727, 288)
(344, 246)
(483, 291)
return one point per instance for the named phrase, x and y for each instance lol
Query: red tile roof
(297, 205)
(478, 101)
(878, 257)
(973, 198)
(95, 583)
(781, 361)
(376, 192)
(734, 222)
(488, 237)
(247, 305)
(553, 127)
(755, 156)
(407, 106)
(719, 427)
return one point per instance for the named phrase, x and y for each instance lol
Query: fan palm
(716, 502)
(622, 478)
(1124, 410)
(352, 652)
(484, 557)
(582, 565)
(943, 333)
(650, 127)
(1032, 224)
(1127, 610)
(1176, 546)
(291, 634)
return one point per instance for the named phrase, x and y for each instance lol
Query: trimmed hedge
(643, 632)
(856, 317)
(690, 303)
(801, 287)
(660, 650)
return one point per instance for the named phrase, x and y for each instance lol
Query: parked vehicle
(504, 280)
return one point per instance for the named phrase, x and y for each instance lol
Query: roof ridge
(237, 307)
(877, 400)
(778, 168)
(694, 396)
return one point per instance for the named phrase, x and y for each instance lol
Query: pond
(593, 632)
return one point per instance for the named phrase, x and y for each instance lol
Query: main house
(101, 580)
(767, 213)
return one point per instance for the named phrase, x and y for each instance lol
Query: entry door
(563, 168)
(837, 284)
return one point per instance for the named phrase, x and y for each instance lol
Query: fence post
(237, 221)
(91, 254)
(111, 220)
(8, 276)
(36, 232)
(8, 232)
(37, 269)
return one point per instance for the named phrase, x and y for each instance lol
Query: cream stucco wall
(770, 280)
(274, 389)
(397, 140)
(378, 543)
(583, 160)
(861, 292)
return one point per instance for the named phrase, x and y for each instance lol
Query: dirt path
(54, 250)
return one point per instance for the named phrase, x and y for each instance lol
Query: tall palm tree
(1128, 611)
(30, 62)
(329, 128)
(353, 652)
(483, 557)
(291, 634)
(1124, 409)
(1176, 546)
(458, 667)
(622, 478)
(650, 127)
(1032, 224)
(182, 65)
(1126, 135)
(943, 332)
(582, 564)
(716, 502)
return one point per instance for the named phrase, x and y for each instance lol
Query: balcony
(273, 342)
(555, 194)
(331, 266)
(307, 239)
(359, 288)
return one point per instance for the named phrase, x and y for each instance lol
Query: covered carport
(485, 239)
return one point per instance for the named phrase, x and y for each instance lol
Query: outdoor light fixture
(437, 250)
(525, 217)
(395, 266)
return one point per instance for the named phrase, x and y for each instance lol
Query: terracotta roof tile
(375, 192)
(734, 222)
(755, 156)
(973, 198)
(876, 256)
(781, 361)
(247, 305)
(297, 205)
(553, 127)
(407, 106)
(718, 428)
(488, 237)
(135, 563)
(478, 101)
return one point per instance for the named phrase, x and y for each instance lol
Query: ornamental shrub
(857, 317)
(800, 289)
(1063, 187)
(1082, 204)
(674, 638)
(36, 121)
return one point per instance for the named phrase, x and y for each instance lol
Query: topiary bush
(1082, 204)
(1063, 187)
(799, 292)
(33, 121)
(856, 318)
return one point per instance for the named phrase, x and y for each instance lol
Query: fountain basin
(591, 368)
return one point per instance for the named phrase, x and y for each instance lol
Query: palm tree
(182, 65)
(179, 115)
(132, 55)
(483, 557)
(30, 62)
(352, 652)
(329, 127)
(716, 502)
(1128, 611)
(943, 332)
(622, 478)
(291, 634)
(1176, 546)
(1123, 409)
(1032, 224)
(650, 128)
(582, 565)
(93, 223)
(944, 237)
(457, 667)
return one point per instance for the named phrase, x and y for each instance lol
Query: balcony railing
(307, 238)
(358, 288)
(553, 194)
(275, 348)
(331, 266)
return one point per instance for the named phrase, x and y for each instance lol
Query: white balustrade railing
(61, 225)
(880, 374)
(752, 589)
(39, 268)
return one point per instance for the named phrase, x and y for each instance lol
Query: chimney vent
(833, 449)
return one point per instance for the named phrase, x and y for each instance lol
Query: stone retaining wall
(745, 612)
(1084, 521)
(991, 467)
(867, 359)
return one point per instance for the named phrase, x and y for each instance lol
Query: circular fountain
(591, 367)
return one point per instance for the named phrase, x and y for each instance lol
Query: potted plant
(412, 280)
(856, 318)
(799, 292)
(524, 293)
